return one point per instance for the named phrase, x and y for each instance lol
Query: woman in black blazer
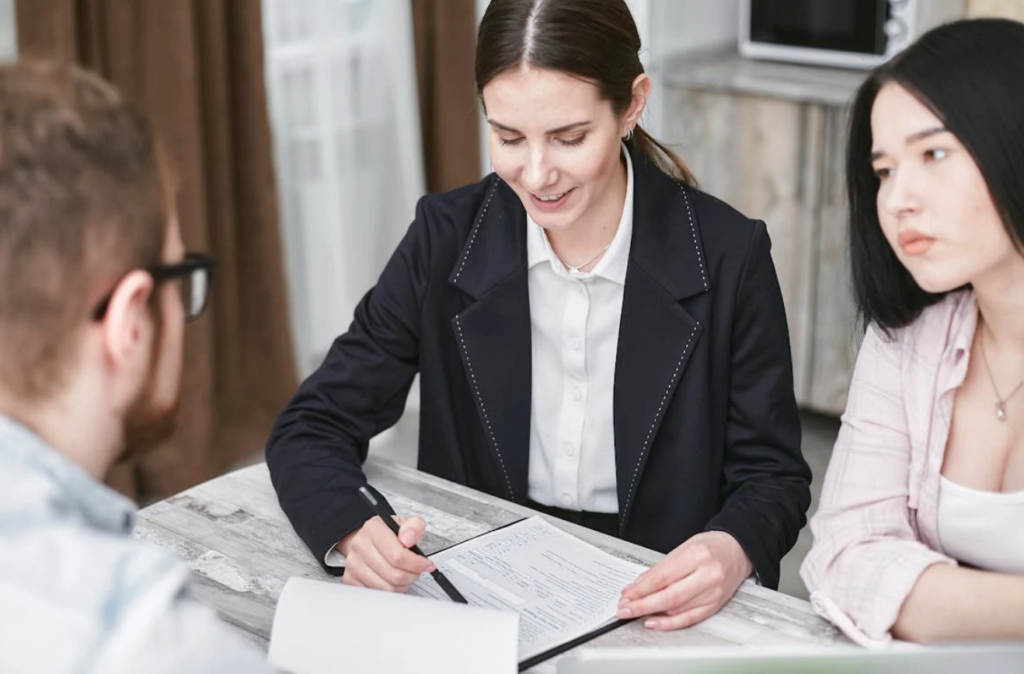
(594, 336)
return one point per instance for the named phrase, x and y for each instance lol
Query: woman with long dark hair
(920, 531)
(595, 337)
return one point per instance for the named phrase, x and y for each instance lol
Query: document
(561, 587)
(323, 626)
(533, 590)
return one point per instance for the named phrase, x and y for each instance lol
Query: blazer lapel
(493, 333)
(657, 334)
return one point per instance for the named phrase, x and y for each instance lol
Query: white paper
(323, 627)
(561, 587)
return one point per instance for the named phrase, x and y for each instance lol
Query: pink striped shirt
(876, 531)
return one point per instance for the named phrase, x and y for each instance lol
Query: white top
(575, 330)
(982, 528)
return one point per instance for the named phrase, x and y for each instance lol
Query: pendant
(1001, 410)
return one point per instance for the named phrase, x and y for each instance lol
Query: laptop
(1004, 658)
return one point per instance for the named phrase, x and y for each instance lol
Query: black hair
(969, 74)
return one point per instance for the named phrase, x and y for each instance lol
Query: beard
(147, 423)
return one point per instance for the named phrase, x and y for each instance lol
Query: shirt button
(574, 344)
(577, 394)
(569, 449)
(566, 500)
(581, 291)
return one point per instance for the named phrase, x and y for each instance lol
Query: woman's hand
(375, 557)
(690, 584)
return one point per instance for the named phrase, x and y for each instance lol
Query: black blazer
(706, 429)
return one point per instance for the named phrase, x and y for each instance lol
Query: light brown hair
(85, 197)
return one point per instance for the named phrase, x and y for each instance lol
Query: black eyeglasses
(196, 274)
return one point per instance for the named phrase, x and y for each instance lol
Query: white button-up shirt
(575, 329)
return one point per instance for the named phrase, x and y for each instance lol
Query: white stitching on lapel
(476, 228)
(657, 415)
(483, 408)
(693, 230)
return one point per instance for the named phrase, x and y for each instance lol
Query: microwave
(843, 33)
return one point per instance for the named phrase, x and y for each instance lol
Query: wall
(1013, 9)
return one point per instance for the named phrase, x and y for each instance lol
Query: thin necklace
(575, 268)
(1000, 401)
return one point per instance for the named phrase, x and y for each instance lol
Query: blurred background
(306, 130)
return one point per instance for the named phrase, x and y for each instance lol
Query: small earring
(629, 135)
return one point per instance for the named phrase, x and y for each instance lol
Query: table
(242, 549)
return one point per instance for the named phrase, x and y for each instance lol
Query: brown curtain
(445, 37)
(196, 69)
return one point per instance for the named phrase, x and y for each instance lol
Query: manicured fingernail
(431, 569)
(623, 601)
(625, 612)
(651, 624)
(406, 539)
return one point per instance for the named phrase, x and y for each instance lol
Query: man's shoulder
(58, 576)
(113, 604)
(50, 547)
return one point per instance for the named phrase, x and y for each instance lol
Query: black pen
(382, 512)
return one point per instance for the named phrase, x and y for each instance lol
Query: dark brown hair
(85, 197)
(595, 40)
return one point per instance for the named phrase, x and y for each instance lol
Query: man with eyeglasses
(95, 288)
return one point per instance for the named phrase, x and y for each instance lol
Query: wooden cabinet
(770, 140)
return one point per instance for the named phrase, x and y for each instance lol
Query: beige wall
(1013, 9)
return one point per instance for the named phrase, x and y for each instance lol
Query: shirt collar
(960, 329)
(964, 325)
(78, 491)
(612, 266)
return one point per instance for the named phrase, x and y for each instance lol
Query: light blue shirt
(78, 594)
